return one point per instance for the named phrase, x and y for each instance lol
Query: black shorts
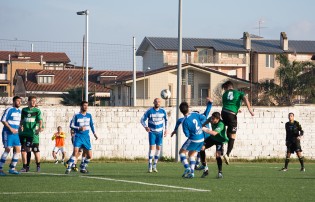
(35, 147)
(26, 142)
(294, 146)
(229, 120)
(209, 142)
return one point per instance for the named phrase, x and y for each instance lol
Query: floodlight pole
(179, 77)
(86, 13)
(134, 86)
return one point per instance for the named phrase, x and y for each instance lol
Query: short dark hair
(84, 102)
(227, 84)
(183, 107)
(31, 97)
(291, 113)
(16, 97)
(216, 115)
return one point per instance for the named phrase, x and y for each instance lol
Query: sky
(117, 21)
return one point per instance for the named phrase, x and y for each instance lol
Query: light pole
(86, 13)
(148, 68)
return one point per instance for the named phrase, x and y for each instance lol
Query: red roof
(34, 56)
(63, 80)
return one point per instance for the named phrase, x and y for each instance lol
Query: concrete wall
(121, 134)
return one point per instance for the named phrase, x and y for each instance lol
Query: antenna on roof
(260, 22)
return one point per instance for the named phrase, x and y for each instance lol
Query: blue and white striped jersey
(157, 119)
(11, 115)
(192, 126)
(81, 120)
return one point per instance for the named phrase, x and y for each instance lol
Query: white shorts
(57, 149)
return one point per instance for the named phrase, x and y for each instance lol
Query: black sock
(301, 159)
(230, 146)
(219, 162)
(24, 166)
(38, 164)
(287, 160)
(28, 157)
(203, 157)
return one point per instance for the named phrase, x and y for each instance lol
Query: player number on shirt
(196, 124)
(230, 96)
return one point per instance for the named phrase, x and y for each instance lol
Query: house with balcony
(251, 58)
(10, 61)
(52, 85)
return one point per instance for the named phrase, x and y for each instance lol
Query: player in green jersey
(232, 100)
(31, 126)
(218, 138)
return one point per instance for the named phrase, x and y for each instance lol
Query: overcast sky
(117, 21)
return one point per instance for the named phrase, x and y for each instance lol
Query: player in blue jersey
(10, 137)
(192, 127)
(82, 123)
(157, 126)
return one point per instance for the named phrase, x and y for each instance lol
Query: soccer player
(232, 100)
(192, 127)
(59, 138)
(157, 125)
(82, 123)
(294, 133)
(31, 125)
(218, 138)
(10, 137)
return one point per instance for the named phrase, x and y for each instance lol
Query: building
(52, 85)
(197, 83)
(250, 58)
(10, 61)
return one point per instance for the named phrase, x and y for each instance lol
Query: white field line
(135, 182)
(77, 192)
(146, 183)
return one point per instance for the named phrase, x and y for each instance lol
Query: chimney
(41, 59)
(284, 43)
(247, 41)
(25, 74)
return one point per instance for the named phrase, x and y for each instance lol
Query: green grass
(241, 182)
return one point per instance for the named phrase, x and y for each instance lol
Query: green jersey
(30, 117)
(36, 135)
(220, 129)
(232, 100)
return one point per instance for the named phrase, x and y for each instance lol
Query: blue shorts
(192, 146)
(82, 141)
(10, 140)
(155, 138)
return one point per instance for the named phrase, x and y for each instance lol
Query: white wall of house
(121, 134)
(152, 58)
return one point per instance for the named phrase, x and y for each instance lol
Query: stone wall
(121, 134)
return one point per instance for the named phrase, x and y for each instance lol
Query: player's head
(184, 108)
(157, 103)
(227, 85)
(291, 116)
(32, 101)
(17, 101)
(59, 128)
(84, 106)
(215, 117)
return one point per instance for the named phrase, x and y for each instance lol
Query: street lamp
(86, 13)
(147, 69)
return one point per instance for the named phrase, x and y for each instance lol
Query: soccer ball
(165, 94)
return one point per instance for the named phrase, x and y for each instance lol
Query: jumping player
(232, 100)
(192, 128)
(218, 138)
(10, 137)
(294, 133)
(82, 123)
(157, 125)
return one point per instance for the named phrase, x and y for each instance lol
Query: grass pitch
(129, 181)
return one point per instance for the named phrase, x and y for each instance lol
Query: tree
(74, 96)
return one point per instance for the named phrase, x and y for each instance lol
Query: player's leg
(198, 160)
(16, 144)
(35, 149)
(298, 151)
(5, 153)
(192, 162)
(287, 160)
(230, 120)
(23, 153)
(219, 152)
(183, 159)
(54, 154)
(72, 159)
(86, 160)
(152, 140)
(63, 152)
(158, 142)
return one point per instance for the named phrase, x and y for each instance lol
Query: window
(3, 68)
(119, 92)
(45, 79)
(270, 61)
(3, 89)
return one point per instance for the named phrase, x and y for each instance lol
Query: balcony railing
(3, 76)
(171, 60)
